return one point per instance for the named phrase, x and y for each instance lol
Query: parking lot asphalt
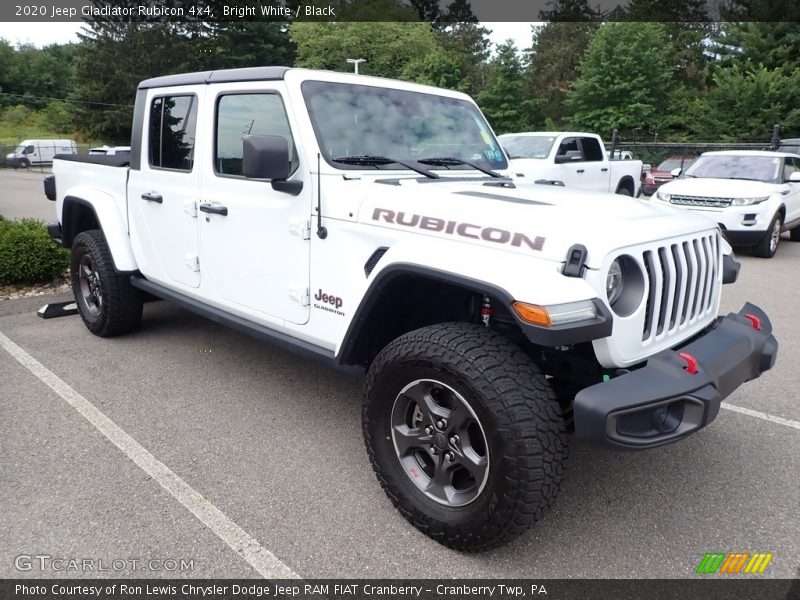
(22, 195)
(273, 441)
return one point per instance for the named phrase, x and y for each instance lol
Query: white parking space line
(258, 557)
(760, 415)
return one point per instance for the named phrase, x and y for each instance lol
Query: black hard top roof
(223, 76)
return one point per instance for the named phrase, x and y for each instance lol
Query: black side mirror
(265, 157)
(570, 156)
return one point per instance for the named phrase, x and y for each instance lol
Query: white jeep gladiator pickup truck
(372, 223)
(572, 159)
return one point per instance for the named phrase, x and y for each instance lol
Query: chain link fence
(661, 158)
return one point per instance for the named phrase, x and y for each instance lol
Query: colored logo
(735, 562)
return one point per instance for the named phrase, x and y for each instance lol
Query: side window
(172, 126)
(248, 114)
(591, 149)
(28, 150)
(568, 145)
(790, 167)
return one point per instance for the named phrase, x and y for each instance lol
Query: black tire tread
(122, 303)
(761, 249)
(526, 409)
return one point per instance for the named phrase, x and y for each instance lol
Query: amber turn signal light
(531, 313)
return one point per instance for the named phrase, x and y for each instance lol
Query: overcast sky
(41, 34)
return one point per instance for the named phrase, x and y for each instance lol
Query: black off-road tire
(765, 247)
(121, 308)
(523, 424)
(625, 189)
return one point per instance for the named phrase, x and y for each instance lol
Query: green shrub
(27, 254)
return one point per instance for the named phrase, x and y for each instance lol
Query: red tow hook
(691, 363)
(754, 320)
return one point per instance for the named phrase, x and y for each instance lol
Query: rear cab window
(173, 121)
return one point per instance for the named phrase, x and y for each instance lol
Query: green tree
(774, 45)
(115, 56)
(7, 66)
(745, 103)
(57, 117)
(624, 79)
(388, 47)
(237, 44)
(16, 118)
(467, 43)
(556, 51)
(502, 99)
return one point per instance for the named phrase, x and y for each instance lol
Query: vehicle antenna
(322, 233)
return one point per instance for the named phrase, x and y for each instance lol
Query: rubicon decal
(734, 562)
(467, 230)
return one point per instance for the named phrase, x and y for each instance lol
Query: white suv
(753, 195)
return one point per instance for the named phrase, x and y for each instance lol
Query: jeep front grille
(683, 281)
(703, 201)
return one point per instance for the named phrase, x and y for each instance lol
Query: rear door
(162, 193)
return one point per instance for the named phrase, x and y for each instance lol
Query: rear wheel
(108, 304)
(464, 434)
(768, 245)
(624, 190)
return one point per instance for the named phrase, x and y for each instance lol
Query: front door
(254, 240)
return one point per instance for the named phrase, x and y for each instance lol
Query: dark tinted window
(239, 115)
(591, 149)
(172, 127)
(568, 145)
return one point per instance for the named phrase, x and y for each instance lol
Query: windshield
(527, 146)
(721, 166)
(365, 121)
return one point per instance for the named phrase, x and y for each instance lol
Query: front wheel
(107, 302)
(768, 245)
(464, 434)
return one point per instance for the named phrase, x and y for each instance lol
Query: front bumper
(664, 401)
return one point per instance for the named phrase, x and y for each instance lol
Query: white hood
(544, 221)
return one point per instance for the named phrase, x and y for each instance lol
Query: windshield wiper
(448, 161)
(743, 178)
(383, 160)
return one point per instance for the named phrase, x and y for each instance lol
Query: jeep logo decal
(335, 301)
(467, 230)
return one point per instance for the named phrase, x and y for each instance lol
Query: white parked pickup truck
(373, 224)
(573, 159)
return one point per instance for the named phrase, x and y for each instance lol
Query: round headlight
(614, 282)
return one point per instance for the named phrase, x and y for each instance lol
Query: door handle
(580, 170)
(604, 169)
(153, 197)
(215, 208)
